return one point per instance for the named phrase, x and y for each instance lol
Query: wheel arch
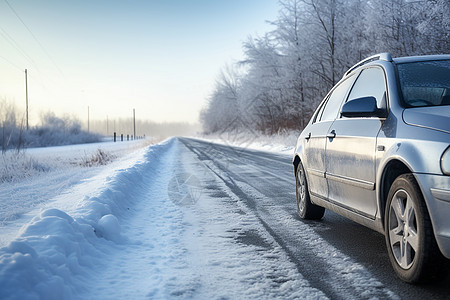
(296, 162)
(391, 171)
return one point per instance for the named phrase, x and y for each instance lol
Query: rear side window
(370, 83)
(335, 100)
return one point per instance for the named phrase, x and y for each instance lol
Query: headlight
(445, 162)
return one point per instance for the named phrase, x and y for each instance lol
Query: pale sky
(160, 57)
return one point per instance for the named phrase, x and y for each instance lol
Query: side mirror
(365, 107)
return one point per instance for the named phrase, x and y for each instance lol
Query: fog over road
(341, 258)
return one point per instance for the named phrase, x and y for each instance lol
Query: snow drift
(56, 253)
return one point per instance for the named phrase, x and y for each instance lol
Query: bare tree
(434, 26)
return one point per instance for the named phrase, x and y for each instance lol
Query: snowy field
(119, 231)
(35, 178)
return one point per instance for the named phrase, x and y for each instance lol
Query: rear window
(425, 83)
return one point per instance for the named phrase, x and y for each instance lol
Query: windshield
(425, 83)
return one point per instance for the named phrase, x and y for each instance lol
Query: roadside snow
(60, 170)
(283, 143)
(58, 251)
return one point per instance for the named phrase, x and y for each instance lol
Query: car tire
(412, 248)
(305, 208)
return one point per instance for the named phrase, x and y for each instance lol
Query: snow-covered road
(189, 219)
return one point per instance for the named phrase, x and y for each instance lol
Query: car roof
(398, 60)
(409, 59)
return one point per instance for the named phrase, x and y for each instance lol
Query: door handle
(332, 134)
(308, 136)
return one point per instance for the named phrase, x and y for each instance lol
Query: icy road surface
(189, 219)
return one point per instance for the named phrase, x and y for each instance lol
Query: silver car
(377, 151)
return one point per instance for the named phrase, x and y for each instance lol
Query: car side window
(320, 110)
(331, 109)
(370, 83)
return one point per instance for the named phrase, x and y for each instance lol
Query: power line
(11, 63)
(34, 37)
(28, 58)
(36, 79)
(16, 46)
(8, 38)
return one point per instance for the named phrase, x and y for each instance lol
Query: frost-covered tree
(354, 43)
(52, 131)
(434, 26)
(223, 104)
(392, 26)
(290, 69)
(290, 36)
(11, 129)
(261, 88)
(322, 25)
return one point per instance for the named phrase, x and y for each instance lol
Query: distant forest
(286, 72)
(52, 130)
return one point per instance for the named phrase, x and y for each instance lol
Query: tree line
(287, 71)
(52, 130)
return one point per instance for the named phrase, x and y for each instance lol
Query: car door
(316, 136)
(350, 149)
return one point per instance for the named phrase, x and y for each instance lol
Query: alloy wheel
(301, 190)
(403, 233)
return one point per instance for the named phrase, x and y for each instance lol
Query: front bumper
(436, 191)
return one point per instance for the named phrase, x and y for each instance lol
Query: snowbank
(283, 142)
(56, 253)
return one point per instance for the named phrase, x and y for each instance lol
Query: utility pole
(134, 122)
(26, 93)
(107, 131)
(88, 119)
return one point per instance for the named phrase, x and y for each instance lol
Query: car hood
(433, 117)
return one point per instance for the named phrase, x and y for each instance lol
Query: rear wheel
(305, 208)
(412, 248)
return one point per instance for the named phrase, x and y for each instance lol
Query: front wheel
(412, 248)
(305, 208)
